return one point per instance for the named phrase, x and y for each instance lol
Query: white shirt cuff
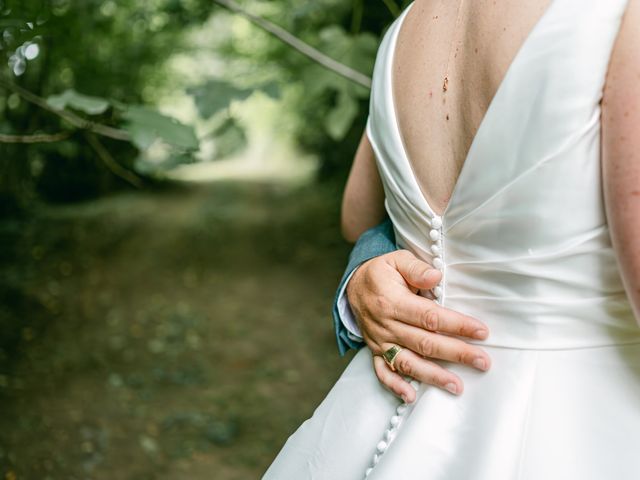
(346, 314)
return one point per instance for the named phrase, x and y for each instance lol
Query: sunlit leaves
(340, 118)
(146, 126)
(357, 51)
(230, 138)
(19, 34)
(78, 101)
(271, 89)
(143, 124)
(329, 103)
(215, 95)
(128, 50)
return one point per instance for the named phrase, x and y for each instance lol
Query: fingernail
(481, 333)
(404, 398)
(451, 387)
(480, 363)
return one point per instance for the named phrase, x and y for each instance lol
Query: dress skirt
(534, 415)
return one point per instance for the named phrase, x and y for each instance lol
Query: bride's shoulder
(623, 76)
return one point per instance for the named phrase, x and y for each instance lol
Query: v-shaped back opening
(485, 118)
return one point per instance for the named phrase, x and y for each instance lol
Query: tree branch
(302, 47)
(36, 138)
(75, 120)
(110, 162)
(90, 129)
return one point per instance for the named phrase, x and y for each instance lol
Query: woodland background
(170, 180)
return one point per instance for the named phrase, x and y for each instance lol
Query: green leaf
(146, 166)
(146, 125)
(78, 101)
(340, 118)
(229, 138)
(215, 95)
(357, 51)
(317, 79)
(271, 89)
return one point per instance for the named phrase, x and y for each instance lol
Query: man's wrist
(345, 312)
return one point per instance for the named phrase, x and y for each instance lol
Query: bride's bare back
(438, 127)
(478, 39)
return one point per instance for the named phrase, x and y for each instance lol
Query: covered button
(389, 435)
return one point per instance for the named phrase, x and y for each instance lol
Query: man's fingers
(435, 345)
(415, 272)
(392, 381)
(408, 363)
(428, 315)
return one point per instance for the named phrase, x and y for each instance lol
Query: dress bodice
(524, 244)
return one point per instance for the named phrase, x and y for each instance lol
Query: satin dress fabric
(525, 247)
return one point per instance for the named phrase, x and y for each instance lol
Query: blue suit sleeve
(372, 243)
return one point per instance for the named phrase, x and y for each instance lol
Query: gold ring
(391, 354)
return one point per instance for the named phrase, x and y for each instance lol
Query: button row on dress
(435, 234)
(390, 433)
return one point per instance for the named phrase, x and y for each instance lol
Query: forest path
(180, 334)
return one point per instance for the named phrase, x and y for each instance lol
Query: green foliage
(115, 51)
(84, 103)
(357, 51)
(330, 110)
(146, 126)
(341, 117)
(215, 95)
(230, 138)
(103, 48)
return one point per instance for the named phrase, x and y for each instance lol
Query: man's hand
(383, 295)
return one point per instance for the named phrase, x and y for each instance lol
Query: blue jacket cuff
(372, 243)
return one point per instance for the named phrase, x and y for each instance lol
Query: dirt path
(143, 336)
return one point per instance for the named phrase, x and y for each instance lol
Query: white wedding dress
(525, 247)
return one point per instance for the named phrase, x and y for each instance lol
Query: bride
(503, 141)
